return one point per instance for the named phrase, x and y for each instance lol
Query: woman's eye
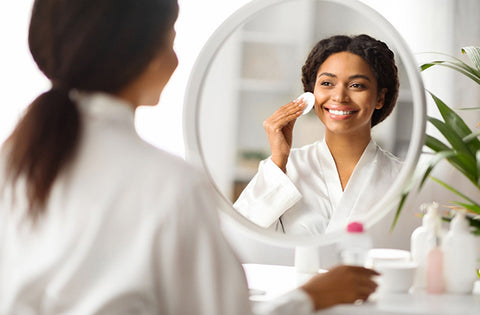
(326, 83)
(358, 86)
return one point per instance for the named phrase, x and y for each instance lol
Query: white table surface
(268, 281)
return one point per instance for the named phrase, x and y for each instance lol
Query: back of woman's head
(374, 52)
(89, 45)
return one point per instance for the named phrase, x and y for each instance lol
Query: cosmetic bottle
(435, 277)
(423, 240)
(459, 256)
(355, 245)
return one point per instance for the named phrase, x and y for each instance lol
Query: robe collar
(104, 106)
(343, 201)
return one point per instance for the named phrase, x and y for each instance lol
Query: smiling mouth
(340, 112)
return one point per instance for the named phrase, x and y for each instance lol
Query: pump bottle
(459, 256)
(423, 240)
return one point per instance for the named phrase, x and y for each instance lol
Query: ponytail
(42, 144)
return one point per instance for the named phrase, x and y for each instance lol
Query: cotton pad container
(309, 101)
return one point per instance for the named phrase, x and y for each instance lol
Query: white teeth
(340, 112)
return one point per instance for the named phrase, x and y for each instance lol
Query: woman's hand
(342, 284)
(279, 129)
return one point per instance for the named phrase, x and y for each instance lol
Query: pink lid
(355, 227)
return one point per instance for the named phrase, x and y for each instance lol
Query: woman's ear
(381, 98)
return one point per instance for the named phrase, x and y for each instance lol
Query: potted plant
(461, 146)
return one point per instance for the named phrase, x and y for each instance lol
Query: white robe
(128, 229)
(309, 198)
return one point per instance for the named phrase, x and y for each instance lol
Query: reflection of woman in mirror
(320, 187)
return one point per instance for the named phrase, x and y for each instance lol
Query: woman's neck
(346, 152)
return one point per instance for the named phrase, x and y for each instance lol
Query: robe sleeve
(198, 273)
(268, 195)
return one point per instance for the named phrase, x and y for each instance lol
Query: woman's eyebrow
(328, 74)
(359, 76)
(355, 76)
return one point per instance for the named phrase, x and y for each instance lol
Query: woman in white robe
(323, 186)
(95, 221)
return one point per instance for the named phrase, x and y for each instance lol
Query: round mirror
(252, 65)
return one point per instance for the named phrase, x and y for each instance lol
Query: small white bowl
(382, 256)
(396, 277)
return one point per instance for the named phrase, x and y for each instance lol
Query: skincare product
(355, 245)
(423, 241)
(435, 278)
(459, 256)
(309, 99)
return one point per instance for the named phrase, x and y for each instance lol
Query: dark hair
(89, 45)
(376, 53)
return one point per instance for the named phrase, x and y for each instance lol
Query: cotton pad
(309, 101)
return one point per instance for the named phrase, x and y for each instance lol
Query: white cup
(396, 269)
(396, 277)
(383, 256)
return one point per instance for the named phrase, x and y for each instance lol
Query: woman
(92, 219)
(320, 187)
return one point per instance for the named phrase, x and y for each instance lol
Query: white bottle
(459, 256)
(355, 245)
(423, 240)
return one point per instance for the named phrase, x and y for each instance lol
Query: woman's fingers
(286, 114)
(279, 129)
(342, 284)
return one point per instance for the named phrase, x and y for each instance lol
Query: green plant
(462, 149)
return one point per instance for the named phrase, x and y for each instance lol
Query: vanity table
(268, 281)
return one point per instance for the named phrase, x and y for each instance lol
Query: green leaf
(456, 123)
(452, 189)
(449, 133)
(438, 158)
(474, 54)
(472, 207)
(454, 159)
(478, 168)
(435, 144)
(471, 136)
(456, 65)
(399, 208)
(462, 68)
(464, 158)
(467, 108)
(425, 66)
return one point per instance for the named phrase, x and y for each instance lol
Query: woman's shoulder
(387, 155)
(153, 160)
(305, 153)
(388, 160)
(308, 148)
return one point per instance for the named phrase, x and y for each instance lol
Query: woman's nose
(340, 95)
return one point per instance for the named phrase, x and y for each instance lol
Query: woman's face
(161, 69)
(346, 95)
(146, 89)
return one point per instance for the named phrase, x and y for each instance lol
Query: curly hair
(376, 53)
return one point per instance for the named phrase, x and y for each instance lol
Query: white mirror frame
(193, 149)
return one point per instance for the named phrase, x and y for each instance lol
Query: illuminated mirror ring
(192, 110)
